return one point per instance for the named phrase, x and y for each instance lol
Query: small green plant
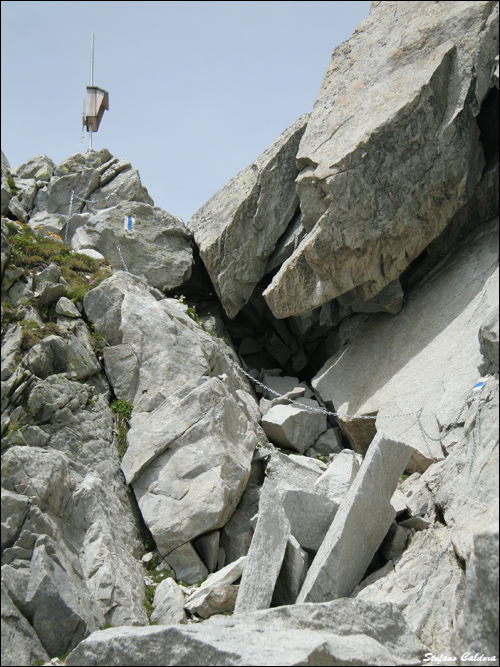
(322, 458)
(122, 409)
(148, 600)
(107, 625)
(123, 413)
(12, 185)
(403, 477)
(12, 227)
(149, 543)
(153, 564)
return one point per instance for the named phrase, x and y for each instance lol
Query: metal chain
(121, 257)
(478, 388)
(476, 439)
(433, 569)
(418, 413)
(69, 216)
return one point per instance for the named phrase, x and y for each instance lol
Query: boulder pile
(269, 435)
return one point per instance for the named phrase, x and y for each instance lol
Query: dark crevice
(488, 127)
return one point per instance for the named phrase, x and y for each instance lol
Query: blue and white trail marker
(128, 223)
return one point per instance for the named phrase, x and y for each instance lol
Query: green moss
(33, 253)
(32, 333)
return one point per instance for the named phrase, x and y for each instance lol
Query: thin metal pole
(92, 62)
(91, 83)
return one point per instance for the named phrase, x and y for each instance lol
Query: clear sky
(197, 90)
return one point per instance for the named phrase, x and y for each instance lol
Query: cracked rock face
(391, 150)
(238, 228)
(192, 439)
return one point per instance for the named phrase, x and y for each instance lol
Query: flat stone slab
(323, 634)
(266, 553)
(360, 524)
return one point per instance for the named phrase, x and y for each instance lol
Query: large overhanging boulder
(391, 151)
(238, 228)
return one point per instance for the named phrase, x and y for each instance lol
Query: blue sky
(196, 89)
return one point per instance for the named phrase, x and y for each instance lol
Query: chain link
(417, 413)
(478, 389)
(121, 257)
(433, 569)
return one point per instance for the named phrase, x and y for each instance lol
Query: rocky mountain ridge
(273, 431)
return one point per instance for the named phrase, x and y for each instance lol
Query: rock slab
(322, 634)
(360, 524)
(392, 149)
(266, 553)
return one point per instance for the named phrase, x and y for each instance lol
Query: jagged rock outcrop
(192, 438)
(238, 229)
(392, 149)
(140, 238)
(400, 157)
(96, 202)
(69, 560)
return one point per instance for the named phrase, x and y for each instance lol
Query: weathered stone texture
(330, 633)
(238, 228)
(360, 524)
(391, 151)
(427, 357)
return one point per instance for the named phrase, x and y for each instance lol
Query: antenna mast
(96, 102)
(91, 83)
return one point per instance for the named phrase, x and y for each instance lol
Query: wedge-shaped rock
(152, 242)
(392, 149)
(215, 601)
(360, 524)
(293, 427)
(168, 604)
(330, 633)
(266, 553)
(217, 594)
(238, 228)
(336, 481)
